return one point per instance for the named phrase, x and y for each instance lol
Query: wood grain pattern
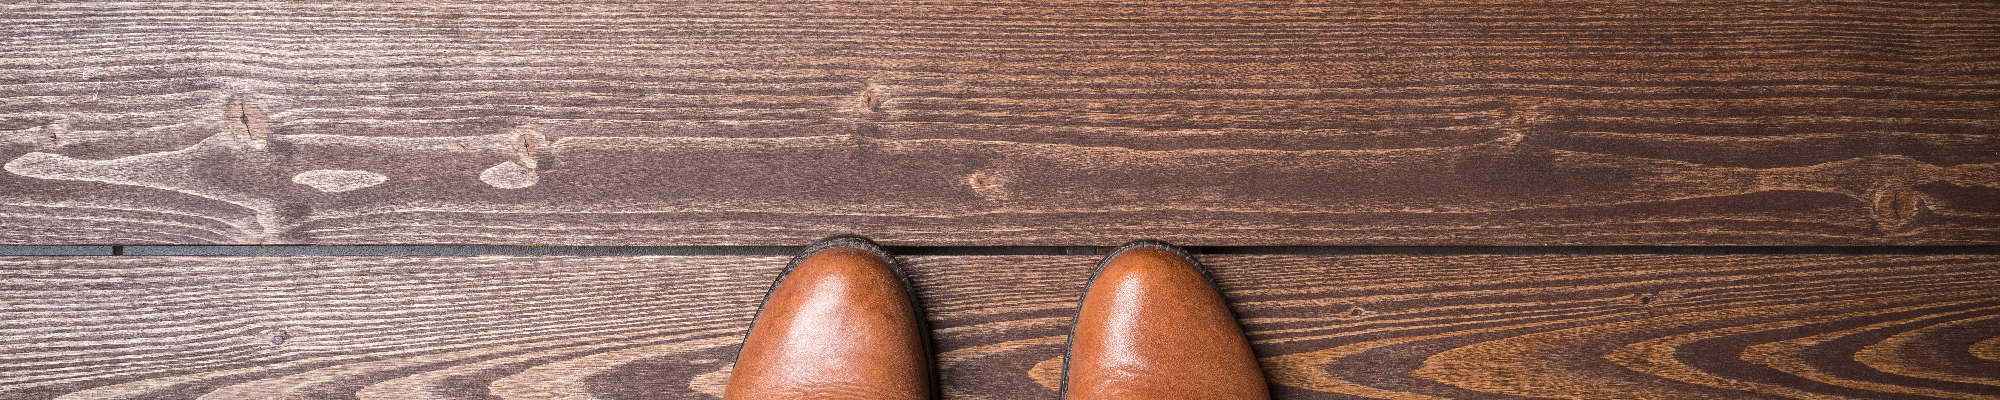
(1325, 326)
(1025, 123)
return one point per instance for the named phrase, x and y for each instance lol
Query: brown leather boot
(840, 322)
(1152, 326)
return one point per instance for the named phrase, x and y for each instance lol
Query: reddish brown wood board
(1020, 123)
(1767, 326)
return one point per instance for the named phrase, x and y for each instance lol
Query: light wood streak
(1791, 356)
(1895, 355)
(1987, 349)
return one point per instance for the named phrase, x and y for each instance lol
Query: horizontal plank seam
(485, 250)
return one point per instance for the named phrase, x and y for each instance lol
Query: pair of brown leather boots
(841, 322)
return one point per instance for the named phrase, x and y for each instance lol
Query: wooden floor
(1024, 123)
(1001, 123)
(1325, 326)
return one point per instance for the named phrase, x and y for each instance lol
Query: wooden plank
(1762, 326)
(1026, 123)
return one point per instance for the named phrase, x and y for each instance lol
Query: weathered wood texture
(1030, 123)
(1326, 326)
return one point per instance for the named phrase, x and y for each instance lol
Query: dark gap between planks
(310, 250)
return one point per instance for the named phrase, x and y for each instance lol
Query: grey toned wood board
(1766, 326)
(1018, 123)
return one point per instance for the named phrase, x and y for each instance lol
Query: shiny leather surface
(839, 325)
(1151, 327)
